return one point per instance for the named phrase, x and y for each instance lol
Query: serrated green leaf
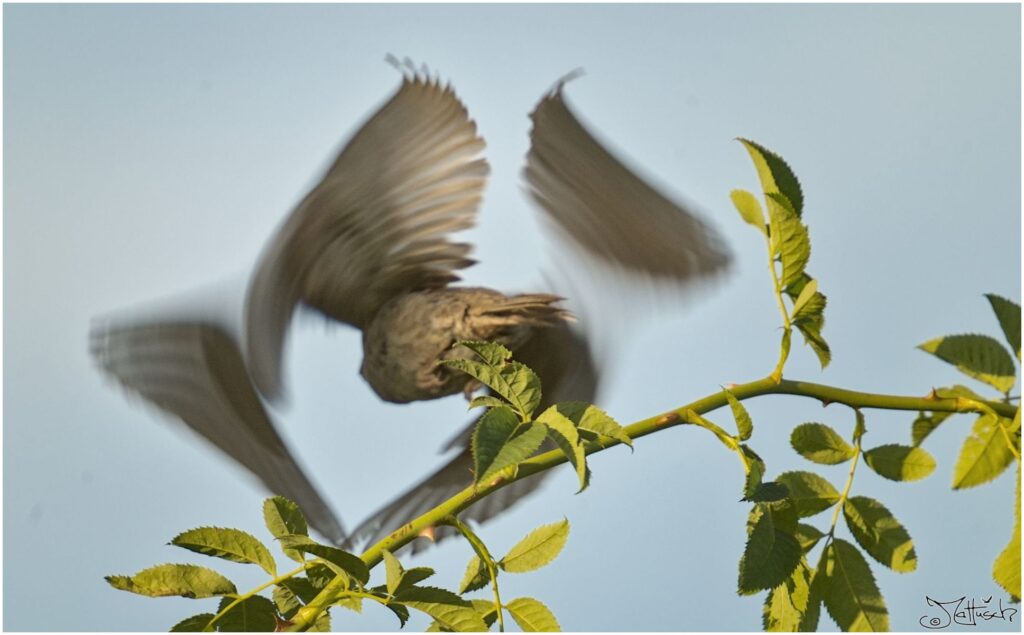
(771, 553)
(818, 584)
(977, 356)
(351, 564)
(185, 580)
(744, 424)
(286, 600)
(769, 492)
(984, 454)
(513, 381)
(802, 304)
(880, 534)
(565, 435)
(194, 624)
(450, 611)
(538, 548)
(500, 440)
(754, 465)
(850, 592)
(255, 614)
(489, 401)
(749, 208)
(786, 606)
(230, 544)
(819, 443)
(476, 576)
(284, 518)
(810, 328)
(532, 616)
(808, 536)
(589, 418)
(486, 611)
(1008, 314)
(790, 241)
(775, 174)
(393, 571)
(900, 462)
(354, 604)
(400, 612)
(811, 493)
(1006, 568)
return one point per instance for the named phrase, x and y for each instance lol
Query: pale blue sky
(151, 150)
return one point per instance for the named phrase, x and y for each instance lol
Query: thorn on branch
(427, 532)
(672, 417)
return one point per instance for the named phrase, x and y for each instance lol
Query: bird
(370, 246)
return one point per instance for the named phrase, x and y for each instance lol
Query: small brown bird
(370, 246)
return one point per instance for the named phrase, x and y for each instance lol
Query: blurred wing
(195, 372)
(377, 225)
(562, 359)
(609, 211)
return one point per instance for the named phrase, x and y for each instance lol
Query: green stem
(858, 434)
(486, 558)
(542, 462)
(786, 324)
(246, 596)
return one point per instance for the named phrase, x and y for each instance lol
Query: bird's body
(406, 340)
(369, 246)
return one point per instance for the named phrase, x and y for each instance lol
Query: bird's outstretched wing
(562, 359)
(377, 224)
(194, 371)
(608, 210)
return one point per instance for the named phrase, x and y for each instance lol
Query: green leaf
(347, 562)
(810, 493)
(230, 544)
(752, 482)
(476, 576)
(286, 600)
(255, 614)
(1008, 314)
(900, 462)
(977, 356)
(194, 624)
(984, 454)
(744, 424)
(850, 593)
(538, 548)
(284, 518)
(563, 432)
(499, 441)
(880, 534)
(1006, 568)
(750, 210)
(488, 401)
(400, 612)
(513, 381)
(532, 616)
(802, 303)
(789, 238)
(393, 571)
(771, 553)
(811, 330)
(819, 443)
(593, 420)
(185, 580)
(775, 174)
(486, 611)
(808, 536)
(451, 612)
(786, 606)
